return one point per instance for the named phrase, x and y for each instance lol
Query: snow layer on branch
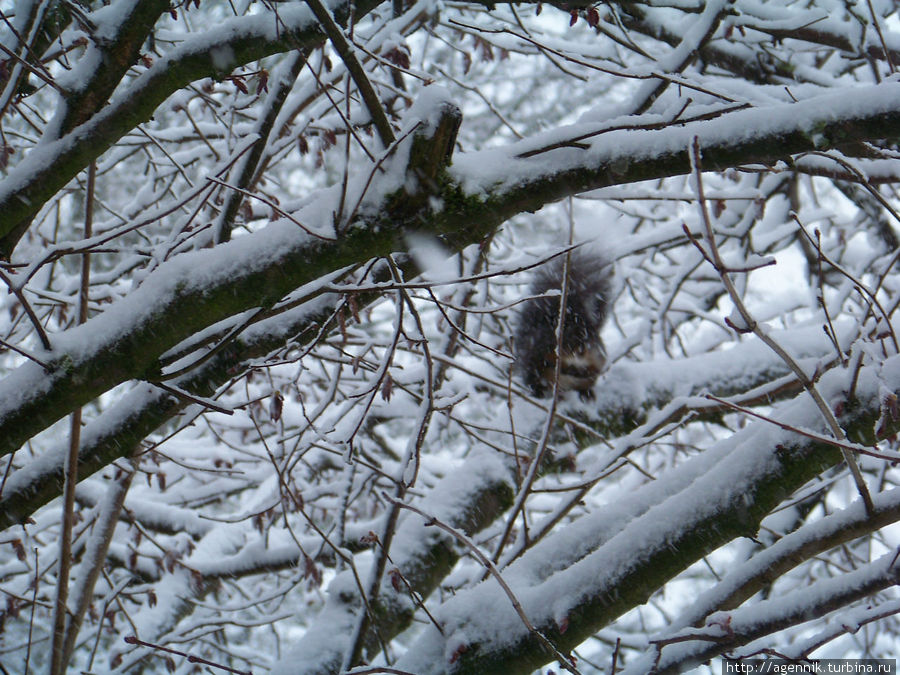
(699, 491)
(501, 169)
(743, 619)
(196, 273)
(329, 637)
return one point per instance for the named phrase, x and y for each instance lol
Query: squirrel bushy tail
(583, 356)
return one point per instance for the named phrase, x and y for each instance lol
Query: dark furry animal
(583, 354)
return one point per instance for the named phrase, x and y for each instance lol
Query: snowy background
(258, 410)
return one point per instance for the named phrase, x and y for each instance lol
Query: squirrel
(582, 350)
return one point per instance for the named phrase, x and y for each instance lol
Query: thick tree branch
(173, 304)
(622, 404)
(772, 615)
(759, 467)
(40, 175)
(810, 540)
(479, 197)
(354, 67)
(114, 56)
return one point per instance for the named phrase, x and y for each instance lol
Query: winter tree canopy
(264, 264)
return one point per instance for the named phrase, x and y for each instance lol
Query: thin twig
(271, 205)
(861, 287)
(34, 71)
(17, 291)
(92, 564)
(179, 352)
(750, 325)
(34, 604)
(538, 459)
(884, 47)
(186, 396)
(324, 89)
(28, 355)
(190, 658)
(564, 661)
(376, 168)
(366, 670)
(852, 447)
(58, 661)
(345, 51)
(403, 482)
(56, 252)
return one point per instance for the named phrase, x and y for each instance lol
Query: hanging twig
(58, 656)
(17, 291)
(564, 660)
(751, 326)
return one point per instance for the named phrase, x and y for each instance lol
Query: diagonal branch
(172, 303)
(740, 481)
(215, 54)
(354, 67)
(480, 193)
(117, 53)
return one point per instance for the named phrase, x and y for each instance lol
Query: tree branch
(741, 480)
(41, 175)
(281, 260)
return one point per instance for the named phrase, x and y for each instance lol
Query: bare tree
(265, 262)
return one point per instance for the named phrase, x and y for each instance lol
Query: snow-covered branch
(741, 480)
(335, 272)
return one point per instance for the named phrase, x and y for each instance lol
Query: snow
(813, 601)
(246, 538)
(327, 639)
(222, 58)
(504, 169)
(665, 517)
(429, 106)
